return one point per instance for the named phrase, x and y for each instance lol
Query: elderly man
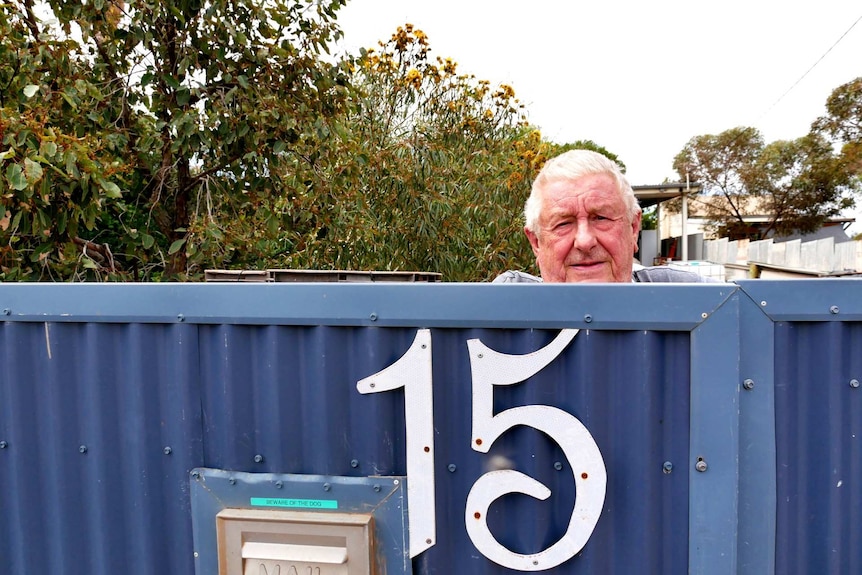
(582, 220)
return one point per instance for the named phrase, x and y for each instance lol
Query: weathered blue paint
(609, 306)
(819, 447)
(111, 394)
(756, 382)
(714, 448)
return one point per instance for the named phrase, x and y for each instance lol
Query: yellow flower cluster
(505, 92)
(414, 78)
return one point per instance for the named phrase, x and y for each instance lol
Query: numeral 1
(413, 372)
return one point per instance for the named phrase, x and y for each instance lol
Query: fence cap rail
(421, 304)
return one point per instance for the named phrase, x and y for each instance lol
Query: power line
(810, 69)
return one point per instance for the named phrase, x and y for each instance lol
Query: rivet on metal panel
(477, 515)
(196, 474)
(763, 303)
(854, 383)
(704, 315)
(7, 311)
(424, 346)
(279, 484)
(535, 562)
(479, 441)
(373, 317)
(168, 450)
(588, 318)
(196, 554)
(833, 309)
(82, 449)
(428, 541)
(452, 467)
(354, 463)
(395, 482)
(748, 384)
(700, 465)
(372, 385)
(480, 356)
(667, 467)
(258, 458)
(327, 487)
(558, 466)
(3, 445)
(232, 481)
(376, 489)
(584, 475)
(181, 317)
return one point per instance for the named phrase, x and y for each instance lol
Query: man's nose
(585, 237)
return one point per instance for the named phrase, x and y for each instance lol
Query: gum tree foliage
(799, 183)
(842, 123)
(442, 164)
(434, 172)
(152, 140)
(149, 139)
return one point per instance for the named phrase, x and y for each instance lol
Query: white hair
(570, 166)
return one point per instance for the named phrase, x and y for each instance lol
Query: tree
(438, 166)
(150, 140)
(724, 166)
(59, 167)
(798, 184)
(158, 129)
(802, 185)
(842, 123)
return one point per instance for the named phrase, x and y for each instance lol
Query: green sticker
(300, 503)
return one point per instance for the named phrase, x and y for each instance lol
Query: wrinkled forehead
(590, 193)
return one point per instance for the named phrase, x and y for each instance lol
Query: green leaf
(279, 147)
(183, 96)
(32, 170)
(49, 148)
(147, 241)
(112, 190)
(15, 177)
(30, 90)
(176, 246)
(171, 81)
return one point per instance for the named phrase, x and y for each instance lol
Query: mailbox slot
(276, 542)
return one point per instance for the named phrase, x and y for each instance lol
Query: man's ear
(636, 228)
(534, 240)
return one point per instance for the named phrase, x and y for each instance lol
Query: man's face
(585, 232)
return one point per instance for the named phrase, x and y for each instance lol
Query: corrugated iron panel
(89, 413)
(288, 395)
(110, 395)
(819, 447)
(103, 421)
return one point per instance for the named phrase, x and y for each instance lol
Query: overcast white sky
(640, 78)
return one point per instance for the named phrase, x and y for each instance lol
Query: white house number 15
(489, 368)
